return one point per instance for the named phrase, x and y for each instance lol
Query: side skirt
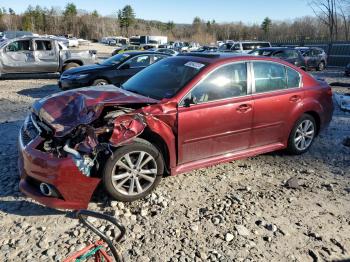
(226, 158)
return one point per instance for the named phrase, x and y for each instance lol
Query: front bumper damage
(74, 189)
(67, 177)
(64, 142)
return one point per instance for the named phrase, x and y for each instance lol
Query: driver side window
(226, 82)
(17, 46)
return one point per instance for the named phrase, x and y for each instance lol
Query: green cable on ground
(89, 254)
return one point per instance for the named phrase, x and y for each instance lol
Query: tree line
(331, 22)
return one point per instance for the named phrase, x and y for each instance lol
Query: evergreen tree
(266, 25)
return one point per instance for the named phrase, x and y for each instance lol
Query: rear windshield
(164, 78)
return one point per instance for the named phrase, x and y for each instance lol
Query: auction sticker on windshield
(194, 65)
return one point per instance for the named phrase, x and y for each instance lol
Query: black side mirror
(188, 101)
(125, 66)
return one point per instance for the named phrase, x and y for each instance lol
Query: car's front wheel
(100, 82)
(302, 135)
(69, 66)
(133, 171)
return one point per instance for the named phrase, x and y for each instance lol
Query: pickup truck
(40, 55)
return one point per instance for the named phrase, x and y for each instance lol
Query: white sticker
(194, 65)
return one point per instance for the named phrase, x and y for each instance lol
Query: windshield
(115, 60)
(225, 47)
(164, 78)
(258, 52)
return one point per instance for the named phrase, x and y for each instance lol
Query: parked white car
(73, 42)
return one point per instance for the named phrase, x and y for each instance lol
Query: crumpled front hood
(66, 110)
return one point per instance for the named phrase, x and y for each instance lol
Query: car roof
(32, 38)
(212, 58)
(135, 53)
(217, 58)
(276, 48)
(308, 47)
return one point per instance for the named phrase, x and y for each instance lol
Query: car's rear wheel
(302, 135)
(321, 66)
(133, 171)
(100, 82)
(69, 66)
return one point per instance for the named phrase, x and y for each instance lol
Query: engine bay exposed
(87, 144)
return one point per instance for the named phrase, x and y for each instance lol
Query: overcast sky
(183, 11)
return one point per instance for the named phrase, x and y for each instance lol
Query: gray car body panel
(40, 61)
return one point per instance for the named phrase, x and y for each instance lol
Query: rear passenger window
(225, 82)
(43, 45)
(293, 78)
(269, 77)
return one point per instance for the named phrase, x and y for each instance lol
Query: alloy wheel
(134, 173)
(304, 135)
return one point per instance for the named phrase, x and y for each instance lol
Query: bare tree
(326, 11)
(343, 6)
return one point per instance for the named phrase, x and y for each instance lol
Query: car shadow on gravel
(26, 208)
(30, 76)
(40, 92)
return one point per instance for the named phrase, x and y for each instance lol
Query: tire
(119, 188)
(69, 66)
(100, 82)
(321, 66)
(304, 129)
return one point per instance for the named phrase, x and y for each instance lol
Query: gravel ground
(272, 207)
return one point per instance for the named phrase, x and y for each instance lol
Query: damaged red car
(182, 113)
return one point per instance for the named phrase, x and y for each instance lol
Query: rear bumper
(35, 167)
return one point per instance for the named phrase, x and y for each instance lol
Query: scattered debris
(242, 230)
(314, 236)
(271, 227)
(229, 237)
(292, 183)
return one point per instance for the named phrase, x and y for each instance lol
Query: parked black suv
(290, 55)
(314, 57)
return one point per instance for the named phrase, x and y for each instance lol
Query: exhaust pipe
(46, 190)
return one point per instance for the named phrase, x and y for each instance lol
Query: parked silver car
(40, 55)
(242, 46)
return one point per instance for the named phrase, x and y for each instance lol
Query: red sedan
(182, 113)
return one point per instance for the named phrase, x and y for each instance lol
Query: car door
(309, 59)
(45, 56)
(276, 94)
(130, 67)
(18, 57)
(218, 118)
